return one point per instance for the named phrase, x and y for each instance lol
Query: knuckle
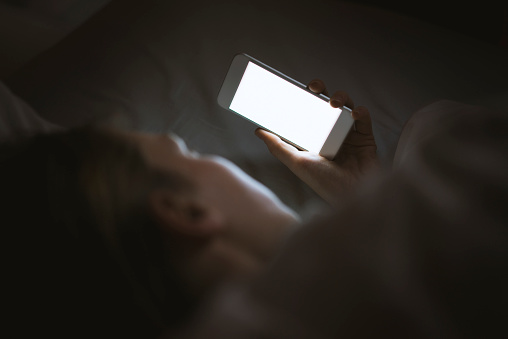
(362, 112)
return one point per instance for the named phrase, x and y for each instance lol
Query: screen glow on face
(284, 108)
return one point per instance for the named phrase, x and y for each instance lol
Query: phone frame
(232, 80)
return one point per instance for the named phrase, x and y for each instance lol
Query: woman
(126, 232)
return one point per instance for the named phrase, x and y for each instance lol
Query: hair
(85, 256)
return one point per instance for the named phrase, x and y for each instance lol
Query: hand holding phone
(330, 179)
(282, 105)
(294, 117)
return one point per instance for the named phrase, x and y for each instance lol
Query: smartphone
(283, 106)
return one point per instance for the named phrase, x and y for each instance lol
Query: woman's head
(220, 202)
(114, 219)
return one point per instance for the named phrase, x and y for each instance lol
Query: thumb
(279, 149)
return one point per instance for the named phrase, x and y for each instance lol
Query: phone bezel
(230, 84)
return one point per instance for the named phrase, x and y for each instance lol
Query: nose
(177, 141)
(181, 145)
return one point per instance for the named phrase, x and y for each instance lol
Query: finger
(280, 149)
(341, 98)
(362, 119)
(317, 86)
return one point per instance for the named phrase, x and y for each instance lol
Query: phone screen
(284, 108)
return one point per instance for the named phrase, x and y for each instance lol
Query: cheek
(231, 183)
(237, 194)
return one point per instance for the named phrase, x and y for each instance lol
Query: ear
(184, 214)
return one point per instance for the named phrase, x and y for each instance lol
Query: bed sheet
(162, 64)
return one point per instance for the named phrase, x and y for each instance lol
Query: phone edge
(338, 134)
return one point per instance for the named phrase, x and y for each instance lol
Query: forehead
(156, 147)
(163, 153)
(168, 152)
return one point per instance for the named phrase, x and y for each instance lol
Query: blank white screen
(284, 108)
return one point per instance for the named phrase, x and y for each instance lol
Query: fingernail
(336, 103)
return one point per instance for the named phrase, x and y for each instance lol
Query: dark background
(483, 20)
